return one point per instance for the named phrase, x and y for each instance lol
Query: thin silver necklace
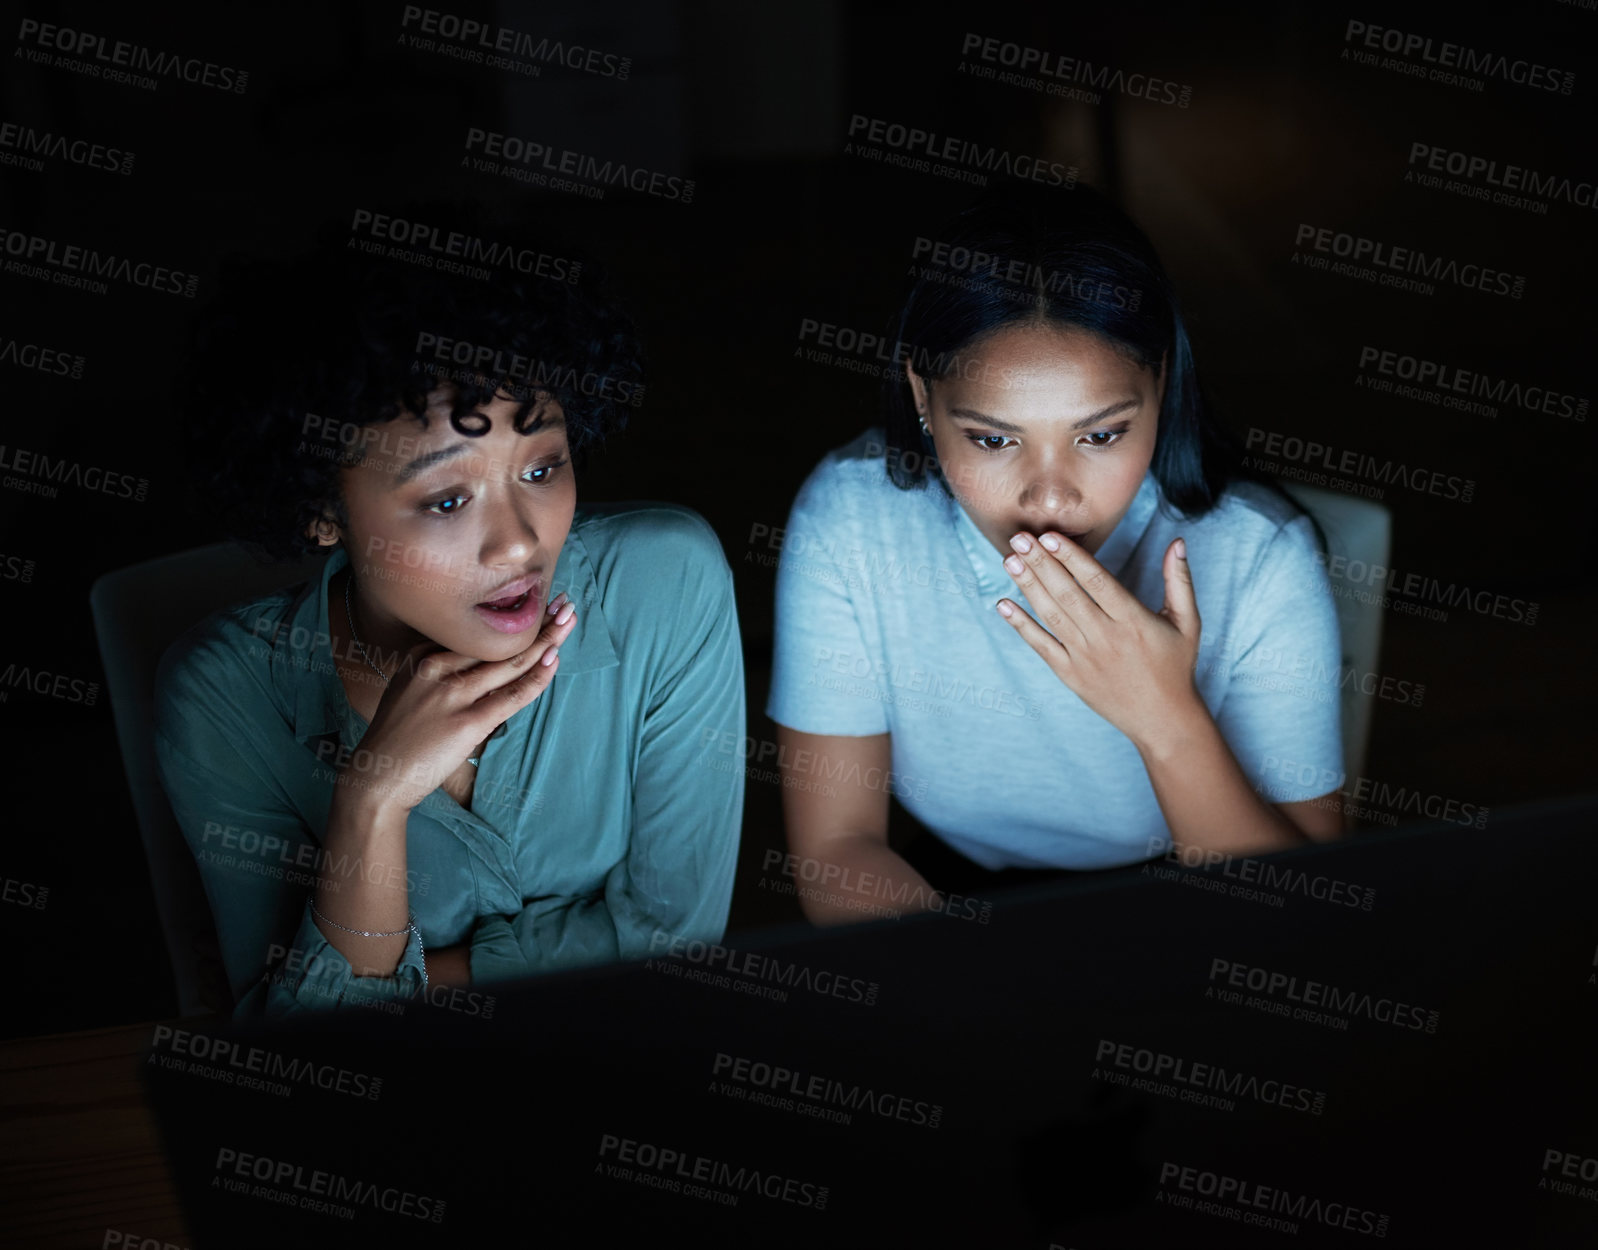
(349, 615)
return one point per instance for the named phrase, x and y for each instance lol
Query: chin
(492, 650)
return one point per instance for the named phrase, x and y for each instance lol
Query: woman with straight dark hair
(992, 605)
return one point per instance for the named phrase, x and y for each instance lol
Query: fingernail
(566, 613)
(1021, 543)
(556, 602)
(1004, 608)
(1013, 563)
(548, 657)
(1050, 542)
(1181, 548)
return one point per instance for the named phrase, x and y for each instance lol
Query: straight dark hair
(1023, 254)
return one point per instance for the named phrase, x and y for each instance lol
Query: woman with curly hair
(477, 746)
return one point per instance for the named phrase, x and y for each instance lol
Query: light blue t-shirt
(885, 624)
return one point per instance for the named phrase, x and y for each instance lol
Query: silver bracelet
(363, 932)
(409, 928)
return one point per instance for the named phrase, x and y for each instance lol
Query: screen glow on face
(1041, 428)
(443, 525)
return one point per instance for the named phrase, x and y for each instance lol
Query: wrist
(369, 803)
(1184, 726)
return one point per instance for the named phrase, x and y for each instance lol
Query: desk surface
(82, 1155)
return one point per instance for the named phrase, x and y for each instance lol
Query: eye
(442, 507)
(1103, 438)
(986, 441)
(546, 473)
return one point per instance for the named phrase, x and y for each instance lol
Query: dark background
(753, 103)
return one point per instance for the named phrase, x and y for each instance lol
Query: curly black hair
(361, 330)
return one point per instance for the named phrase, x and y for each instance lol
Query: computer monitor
(1384, 1040)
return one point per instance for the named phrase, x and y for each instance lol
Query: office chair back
(1357, 529)
(138, 612)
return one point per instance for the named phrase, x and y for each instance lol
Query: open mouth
(515, 611)
(510, 603)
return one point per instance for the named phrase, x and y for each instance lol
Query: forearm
(449, 965)
(859, 878)
(1203, 793)
(362, 883)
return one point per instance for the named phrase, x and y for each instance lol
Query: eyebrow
(971, 414)
(426, 461)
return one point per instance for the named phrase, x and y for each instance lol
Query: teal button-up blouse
(601, 814)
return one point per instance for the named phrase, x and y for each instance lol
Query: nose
(510, 535)
(1051, 496)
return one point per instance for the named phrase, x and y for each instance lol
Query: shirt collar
(318, 699)
(988, 564)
